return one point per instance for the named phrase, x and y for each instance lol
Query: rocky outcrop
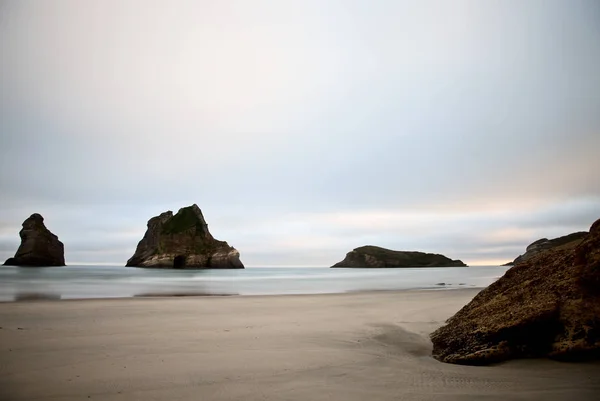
(182, 241)
(545, 244)
(374, 256)
(547, 306)
(39, 247)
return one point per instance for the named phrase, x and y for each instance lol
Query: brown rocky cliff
(183, 241)
(547, 306)
(39, 247)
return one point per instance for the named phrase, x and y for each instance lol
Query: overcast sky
(302, 129)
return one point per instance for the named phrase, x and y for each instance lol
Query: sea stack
(39, 247)
(546, 306)
(182, 241)
(374, 256)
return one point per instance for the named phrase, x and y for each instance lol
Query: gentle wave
(110, 281)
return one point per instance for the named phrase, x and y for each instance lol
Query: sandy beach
(358, 346)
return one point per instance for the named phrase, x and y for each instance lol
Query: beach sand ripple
(359, 346)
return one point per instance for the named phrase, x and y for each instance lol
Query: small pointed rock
(39, 247)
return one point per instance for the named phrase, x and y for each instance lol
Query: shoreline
(107, 283)
(35, 298)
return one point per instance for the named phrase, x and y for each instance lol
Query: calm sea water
(72, 282)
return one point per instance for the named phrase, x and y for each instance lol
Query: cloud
(301, 127)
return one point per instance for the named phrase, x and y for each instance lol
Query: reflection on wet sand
(36, 296)
(183, 294)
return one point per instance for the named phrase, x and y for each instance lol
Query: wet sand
(359, 346)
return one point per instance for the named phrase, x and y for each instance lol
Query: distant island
(542, 245)
(182, 241)
(377, 257)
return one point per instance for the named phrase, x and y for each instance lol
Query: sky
(302, 129)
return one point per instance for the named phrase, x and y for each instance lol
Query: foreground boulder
(183, 241)
(39, 247)
(547, 306)
(545, 244)
(374, 256)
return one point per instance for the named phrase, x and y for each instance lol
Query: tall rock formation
(39, 247)
(544, 244)
(547, 306)
(374, 256)
(182, 241)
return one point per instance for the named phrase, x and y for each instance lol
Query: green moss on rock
(184, 220)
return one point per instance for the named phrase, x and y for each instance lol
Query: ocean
(79, 282)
